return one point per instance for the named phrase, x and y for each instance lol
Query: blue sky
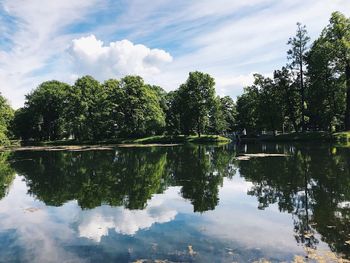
(161, 40)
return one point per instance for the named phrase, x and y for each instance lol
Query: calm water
(180, 204)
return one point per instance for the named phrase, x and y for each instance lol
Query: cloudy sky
(161, 40)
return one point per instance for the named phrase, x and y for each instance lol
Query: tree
(25, 125)
(269, 106)
(229, 111)
(112, 104)
(247, 110)
(6, 117)
(288, 93)
(337, 37)
(297, 54)
(326, 90)
(172, 113)
(46, 104)
(260, 108)
(197, 97)
(141, 108)
(84, 109)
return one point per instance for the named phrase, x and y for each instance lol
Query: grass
(306, 136)
(180, 139)
(342, 138)
(159, 139)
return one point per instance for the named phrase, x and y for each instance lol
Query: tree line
(312, 92)
(90, 110)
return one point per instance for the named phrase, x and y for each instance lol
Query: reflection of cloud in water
(97, 222)
(36, 232)
(237, 219)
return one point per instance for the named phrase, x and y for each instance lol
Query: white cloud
(36, 40)
(120, 58)
(94, 224)
(228, 39)
(36, 232)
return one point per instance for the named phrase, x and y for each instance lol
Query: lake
(191, 203)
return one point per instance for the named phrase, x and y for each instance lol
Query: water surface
(177, 204)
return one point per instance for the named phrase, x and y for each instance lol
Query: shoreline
(153, 141)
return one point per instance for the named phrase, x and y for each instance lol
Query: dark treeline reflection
(313, 184)
(7, 174)
(126, 177)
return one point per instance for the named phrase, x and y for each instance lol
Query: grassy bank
(180, 139)
(301, 137)
(341, 138)
(161, 139)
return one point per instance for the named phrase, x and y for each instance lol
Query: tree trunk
(302, 90)
(199, 128)
(347, 112)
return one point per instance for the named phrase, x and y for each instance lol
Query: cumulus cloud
(90, 56)
(227, 39)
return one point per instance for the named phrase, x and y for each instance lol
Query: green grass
(306, 136)
(342, 138)
(179, 139)
(159, 139)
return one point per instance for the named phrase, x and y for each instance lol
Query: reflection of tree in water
(312, 184)
(200, 171)
(7, 174)
(126, 177)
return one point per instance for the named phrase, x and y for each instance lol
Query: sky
(160, 40)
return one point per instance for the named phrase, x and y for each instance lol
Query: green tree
(247, 110)
(337, 37)
(289, 98)
(269, 108)
(229, 111)
(197, 97)
(44, 107)
(260, 108)
(6, 118)
(217, 121)
(112, 107)
(173, 113)
(326, 91)
(84, 109)
(141, 108)
(296, 54)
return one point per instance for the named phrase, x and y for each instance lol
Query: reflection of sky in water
(235, 230)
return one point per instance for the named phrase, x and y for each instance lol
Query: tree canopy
(125, 108)
(312, 92)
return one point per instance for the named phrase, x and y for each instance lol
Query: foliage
(260, 107)
(126, 108)
(311, 93)
(297, 54)
(197, 99)
(6, 117)
(337, 42)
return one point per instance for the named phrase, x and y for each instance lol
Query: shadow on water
(312, 183)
